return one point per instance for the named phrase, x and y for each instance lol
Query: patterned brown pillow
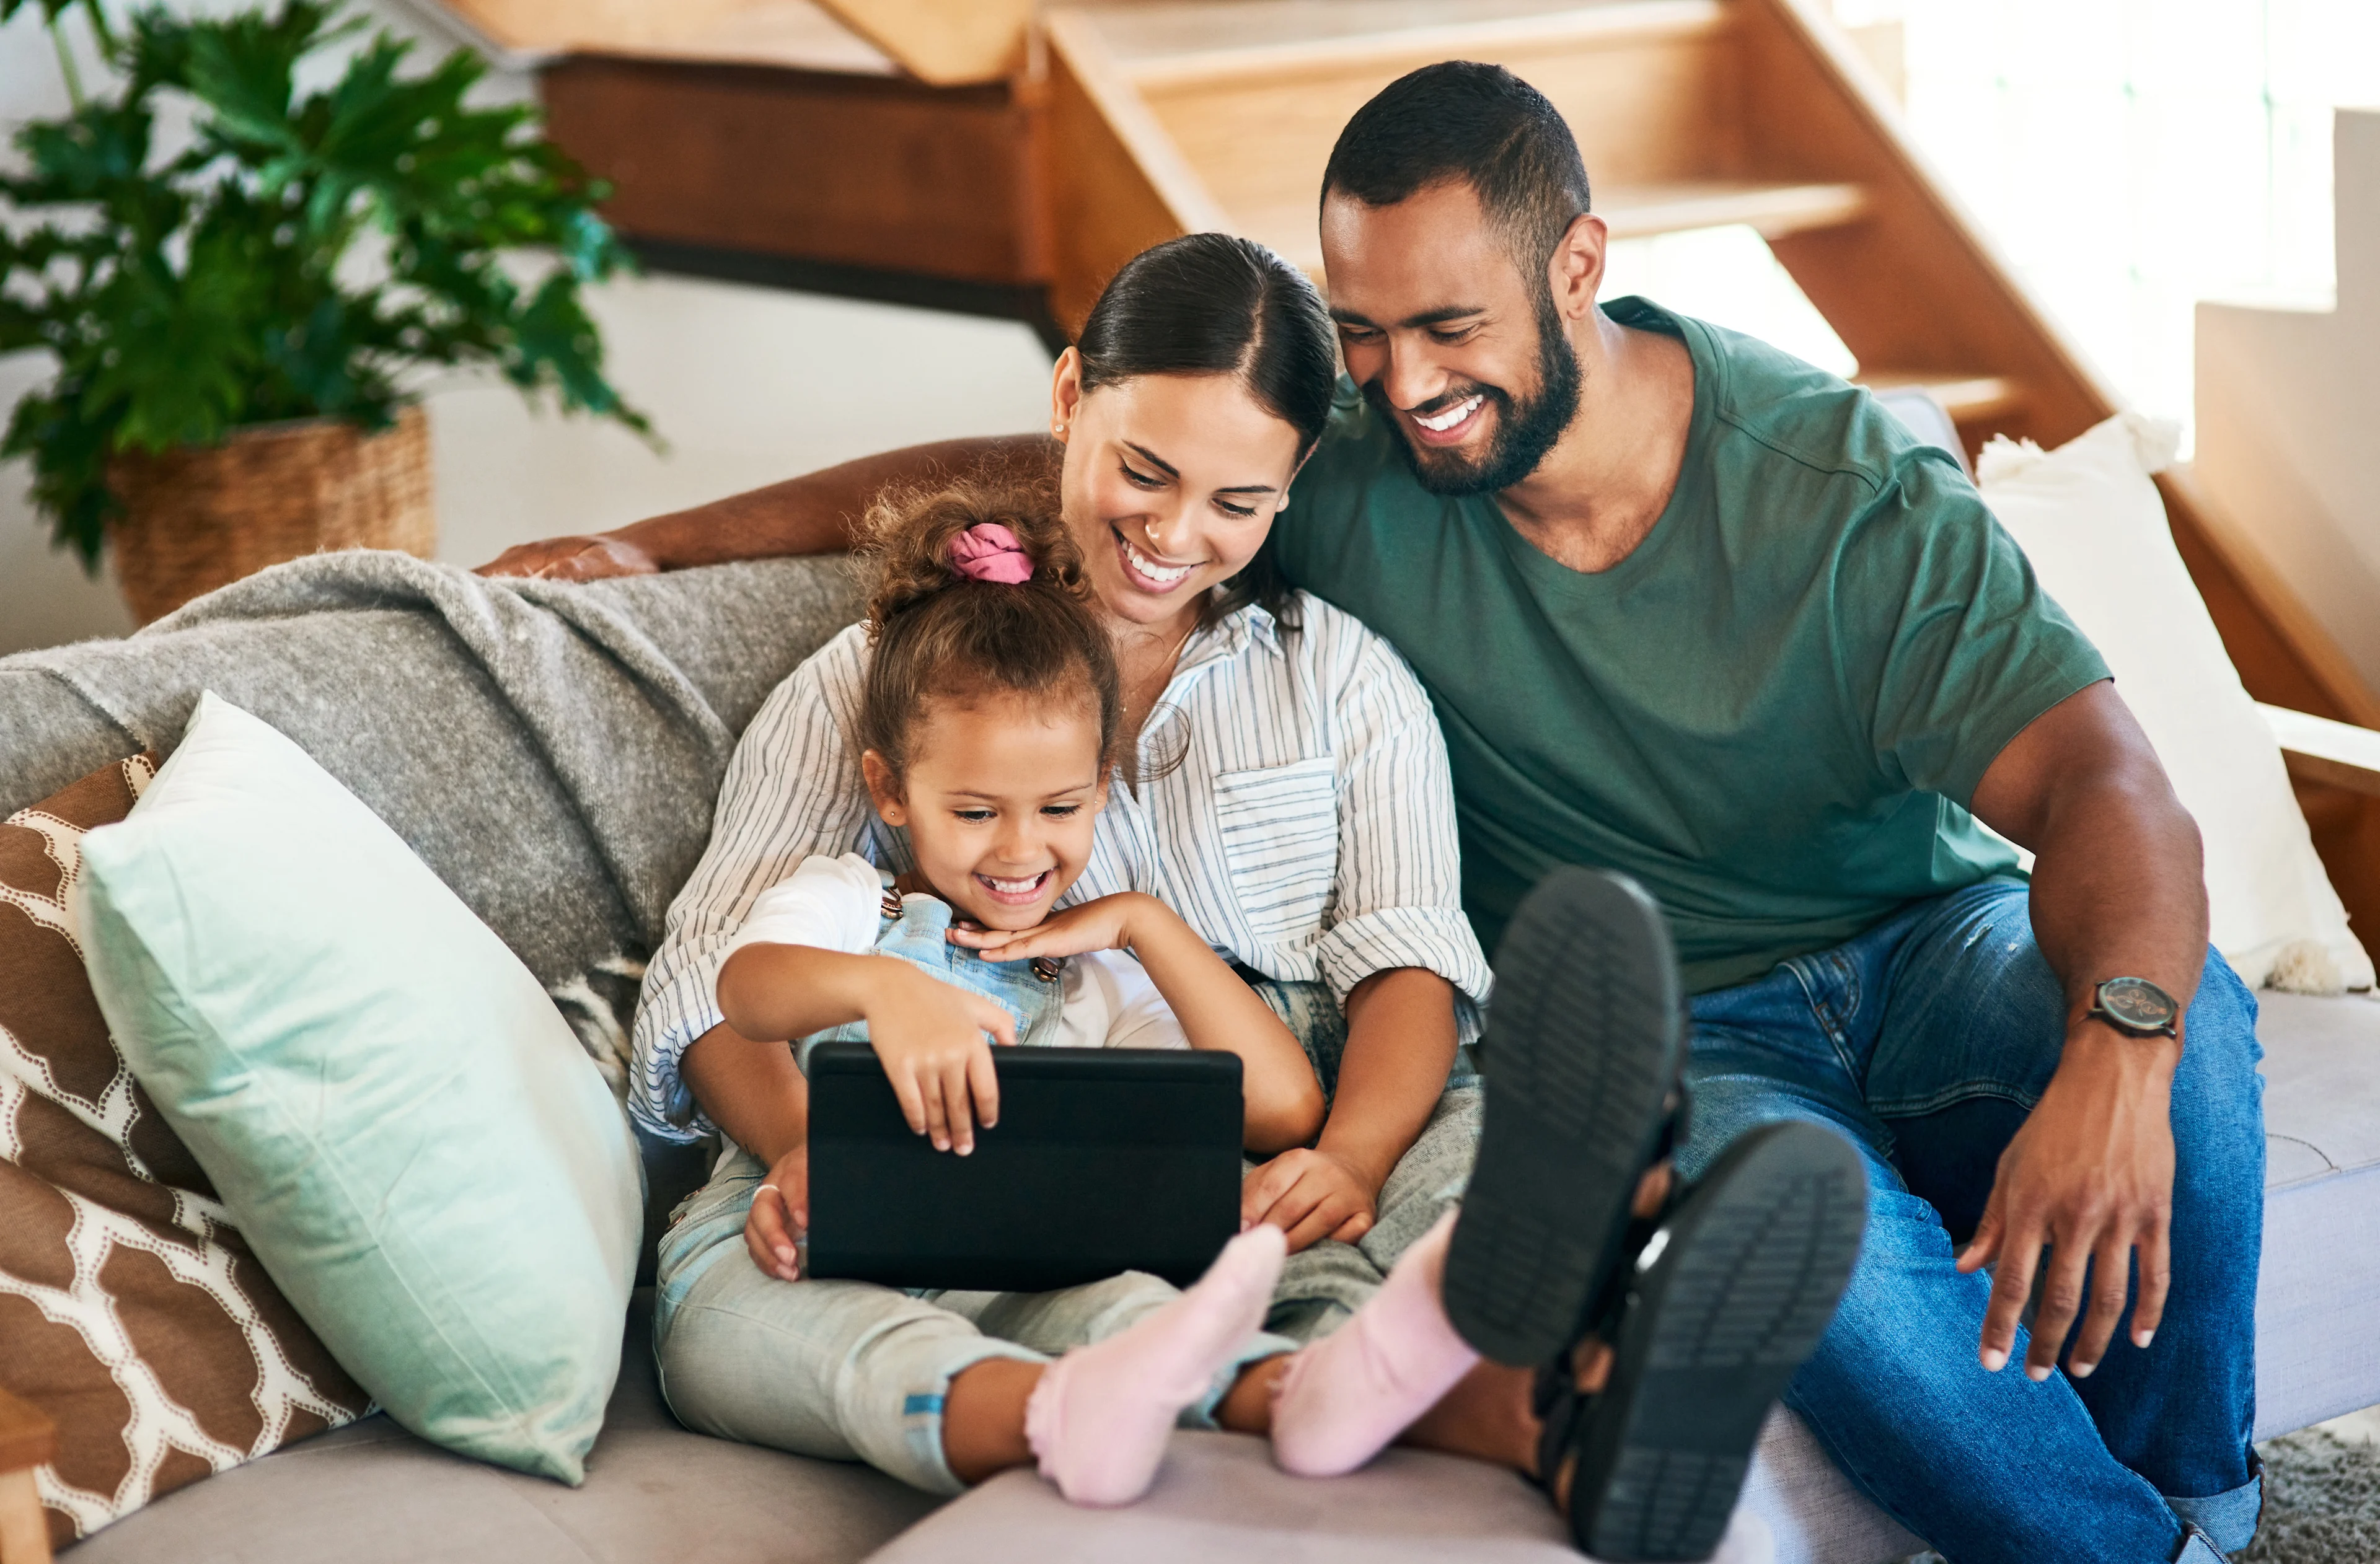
(133, 1313)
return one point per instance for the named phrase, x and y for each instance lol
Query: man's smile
(1439, 423)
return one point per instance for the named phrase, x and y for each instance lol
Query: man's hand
(2090, 1174)
(573, 559)
(1104, 925)
(781, 1213)
(929, 1035)
(1310, 1196)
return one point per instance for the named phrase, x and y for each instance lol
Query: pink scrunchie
(989, 552)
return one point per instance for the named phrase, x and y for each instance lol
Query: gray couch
(347, 679)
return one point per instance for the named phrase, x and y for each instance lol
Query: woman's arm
(793, 790)
(1216, 1010)
(810, 514)
(1398, 947)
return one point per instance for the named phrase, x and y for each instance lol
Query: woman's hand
(929, 1035)
(573, 559)
(779, 1214)
(1104, 925)
(1310, 1196)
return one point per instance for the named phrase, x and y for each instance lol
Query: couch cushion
(1220, 1496)
(403, 1125)
(2322, 1087)
(2316, 1353)
(131, 1310)
(655, 1493)
(2093, 527)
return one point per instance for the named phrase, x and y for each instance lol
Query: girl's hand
(779, 1214)
(1310, 1196)
(1104, 925)
(929, 1035)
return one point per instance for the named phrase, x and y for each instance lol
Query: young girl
(989, 722)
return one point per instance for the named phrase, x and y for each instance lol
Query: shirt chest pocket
(1280, 826)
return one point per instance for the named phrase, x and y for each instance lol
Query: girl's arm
(1217, 1011)
(927, 1034)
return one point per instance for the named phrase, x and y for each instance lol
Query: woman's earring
(1057, 429)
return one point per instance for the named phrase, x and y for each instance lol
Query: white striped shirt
(1307, 830)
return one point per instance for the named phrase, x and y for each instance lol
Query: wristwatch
(2135, 1007)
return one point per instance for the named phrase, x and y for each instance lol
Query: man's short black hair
(1479, 124)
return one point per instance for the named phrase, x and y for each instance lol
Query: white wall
(2288, 417)
(747, 385)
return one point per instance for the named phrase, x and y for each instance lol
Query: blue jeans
(1926, 1041)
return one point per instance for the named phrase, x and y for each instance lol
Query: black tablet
(1104, 1160)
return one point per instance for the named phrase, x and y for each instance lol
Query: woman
(1285, 789)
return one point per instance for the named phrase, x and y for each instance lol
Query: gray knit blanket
(552, 751)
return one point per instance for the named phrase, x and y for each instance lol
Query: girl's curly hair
(938, 635)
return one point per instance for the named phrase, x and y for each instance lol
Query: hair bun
(989, 552)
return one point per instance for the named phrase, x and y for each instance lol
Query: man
(1694, 611)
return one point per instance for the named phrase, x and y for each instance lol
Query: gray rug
(2324, 1503)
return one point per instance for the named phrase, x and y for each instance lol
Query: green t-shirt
(1772, 713)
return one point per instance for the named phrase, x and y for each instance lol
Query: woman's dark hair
(1213, 304)
(941, 634)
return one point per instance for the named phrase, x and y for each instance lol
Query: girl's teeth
(1013, 887)
(1452, 415)
(1153, 570)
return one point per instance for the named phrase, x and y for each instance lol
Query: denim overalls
(913, 930)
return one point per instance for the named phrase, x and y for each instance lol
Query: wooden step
(1968, 398)
(1179, 44)
(1632, 212)
(944, 43)
(1771, 211)
(1253, 93)
(793, 34)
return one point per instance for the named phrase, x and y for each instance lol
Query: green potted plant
(239, 322)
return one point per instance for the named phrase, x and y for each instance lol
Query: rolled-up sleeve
(1398, 898)
(793, 790)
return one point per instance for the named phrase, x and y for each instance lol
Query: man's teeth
(1154, 571)
(1439, 423)
(1015, 887)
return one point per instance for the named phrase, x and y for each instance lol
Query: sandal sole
(1586, 1038)
(1721, 1319)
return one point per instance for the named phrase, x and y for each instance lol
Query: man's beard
(1525, 430)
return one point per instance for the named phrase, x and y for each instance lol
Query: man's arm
(811, 515)
(2118, 889)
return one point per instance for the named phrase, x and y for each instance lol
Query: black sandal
(1722, 1308)
(1585, 1057)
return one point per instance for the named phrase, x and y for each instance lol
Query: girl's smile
(999, 803)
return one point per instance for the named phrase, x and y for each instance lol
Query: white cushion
(2093, 524)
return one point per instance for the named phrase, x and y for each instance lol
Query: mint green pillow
(400, 1121)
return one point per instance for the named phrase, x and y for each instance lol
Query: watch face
(2137, 1003)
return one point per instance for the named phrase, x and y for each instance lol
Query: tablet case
(1104, 1160)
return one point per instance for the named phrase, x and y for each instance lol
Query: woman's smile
(1147, 574)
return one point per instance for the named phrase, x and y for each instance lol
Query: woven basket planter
(203, 516)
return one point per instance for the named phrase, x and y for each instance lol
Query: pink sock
(1345, 1397)
(1100, 1417)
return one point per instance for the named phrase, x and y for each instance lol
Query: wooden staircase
(1099, 128)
